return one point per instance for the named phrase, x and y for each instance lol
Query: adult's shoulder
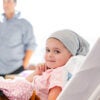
(25, 22)
(22, 19)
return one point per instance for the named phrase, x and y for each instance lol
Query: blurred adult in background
(17, 40)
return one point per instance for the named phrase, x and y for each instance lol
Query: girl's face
(56, 54)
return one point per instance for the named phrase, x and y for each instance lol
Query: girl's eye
(47, 50)
(56, 51)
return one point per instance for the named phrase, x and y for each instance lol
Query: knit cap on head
(72, 41)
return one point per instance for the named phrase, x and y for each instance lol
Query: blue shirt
(16, 36)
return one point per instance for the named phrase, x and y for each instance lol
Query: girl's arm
(30, 77)
(54, 92)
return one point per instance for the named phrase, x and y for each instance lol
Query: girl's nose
(50, 54)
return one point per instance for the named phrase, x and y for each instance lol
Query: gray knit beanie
(72, 41)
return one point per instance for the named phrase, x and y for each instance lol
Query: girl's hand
(40, 68)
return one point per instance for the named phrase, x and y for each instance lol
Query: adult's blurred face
(9, 7)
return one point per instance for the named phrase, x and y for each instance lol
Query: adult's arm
(27, 58)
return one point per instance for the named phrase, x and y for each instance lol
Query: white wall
(82, 16)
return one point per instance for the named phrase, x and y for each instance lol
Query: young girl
(48, 81)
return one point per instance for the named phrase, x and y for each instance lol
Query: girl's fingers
(41, 67)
